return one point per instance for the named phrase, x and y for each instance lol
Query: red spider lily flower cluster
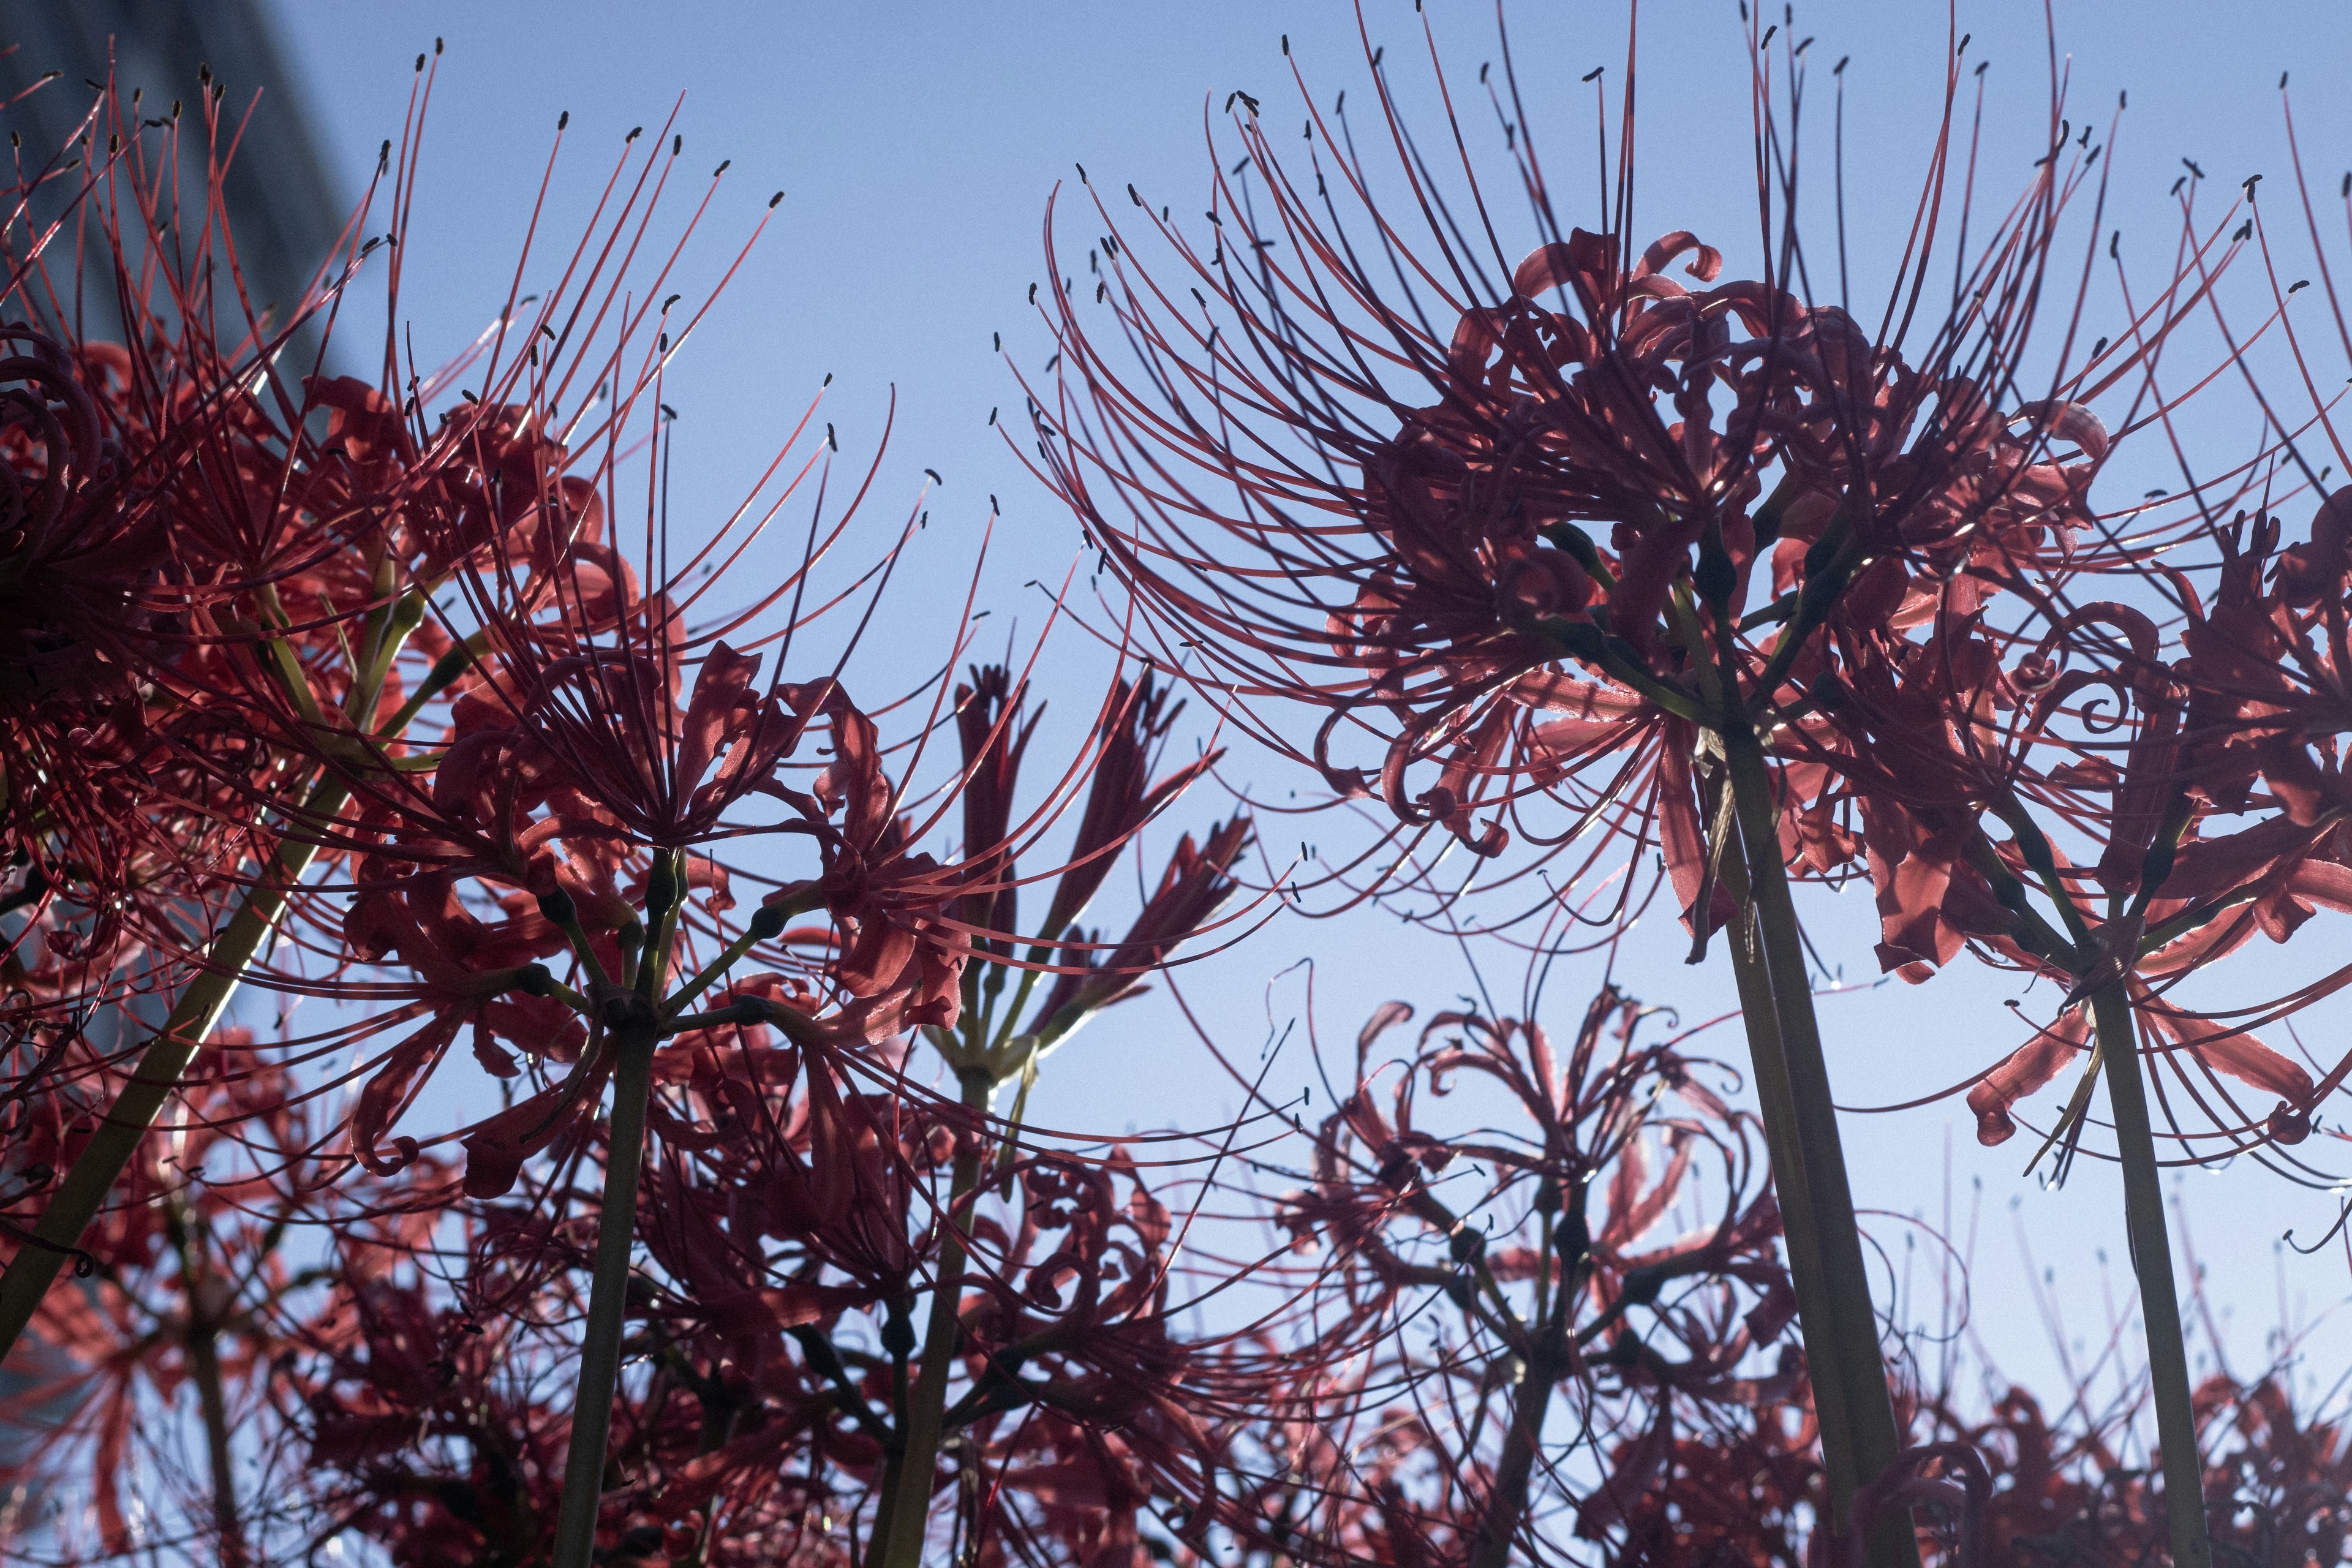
(2014, 1486)
(354, 693)
(647, 1166)
(1575, 541)
(1414, 526)
(194, 1288)
(1507, 1333)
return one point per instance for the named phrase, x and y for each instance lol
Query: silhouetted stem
(898, 1538)
(2160, 1305)
(1507, 1505)
(1791, 1184)
(201, 1341)
(83, 1192)
(1807, 1142)
(608, 1295)
(204, 1371)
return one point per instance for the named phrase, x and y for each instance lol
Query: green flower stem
(2151, 1250)
(2144, 1223)
(201, 1339)
(1809, 1142)
(1793, 1186)
(1548, 1360)
(899, 1532)
(446, 668)
(204, 1371)
(608, 1294)
(83, 1192)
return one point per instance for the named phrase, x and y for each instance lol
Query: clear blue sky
(918, 144)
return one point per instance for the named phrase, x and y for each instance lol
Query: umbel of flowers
(397, 704)
(1588, 536)
(360, 693)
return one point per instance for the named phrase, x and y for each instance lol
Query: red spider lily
(574, 770)
(848, 1172)
(1919, 747)
(1122, 797)
(860, 1185)
(787, 1251)
(122, 803)
(2017, 1489)
(379, 706)
(1197, 880)
(158, 812)
(2145, 734)
(429, 1433)
(2011, 1481)
(1527, 1252)
(1408, 543)
(1415, 558)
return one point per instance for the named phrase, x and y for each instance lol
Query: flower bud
(1577, 542)
(1641, 1286)
(1715, 576)
(661, 888)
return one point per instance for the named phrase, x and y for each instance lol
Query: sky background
(919, 145)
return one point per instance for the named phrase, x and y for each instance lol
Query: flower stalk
(900, 1529)
(1792, 1183)
(632, 1043)
(1835, 1311)
(1549, 1357)
(201, 1333)
(204, 1371)
(2117, 1056)
(2151, 1254)
(633, 1023)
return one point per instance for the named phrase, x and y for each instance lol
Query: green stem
(899, 1537)
(1507, 1504)
(1809, 1143)
(1550, 1358)
(2160, 1305)
(83, 1192)
(204, 1371)
(608, 1293)
(1792, 1185)
(201, 1339)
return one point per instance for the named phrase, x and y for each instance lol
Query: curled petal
(2027, 1070)
(387, 1094)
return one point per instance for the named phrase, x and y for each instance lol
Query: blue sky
(918, 145)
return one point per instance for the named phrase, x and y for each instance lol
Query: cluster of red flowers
(1603, 563)
(393, 710)
(357, 697)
